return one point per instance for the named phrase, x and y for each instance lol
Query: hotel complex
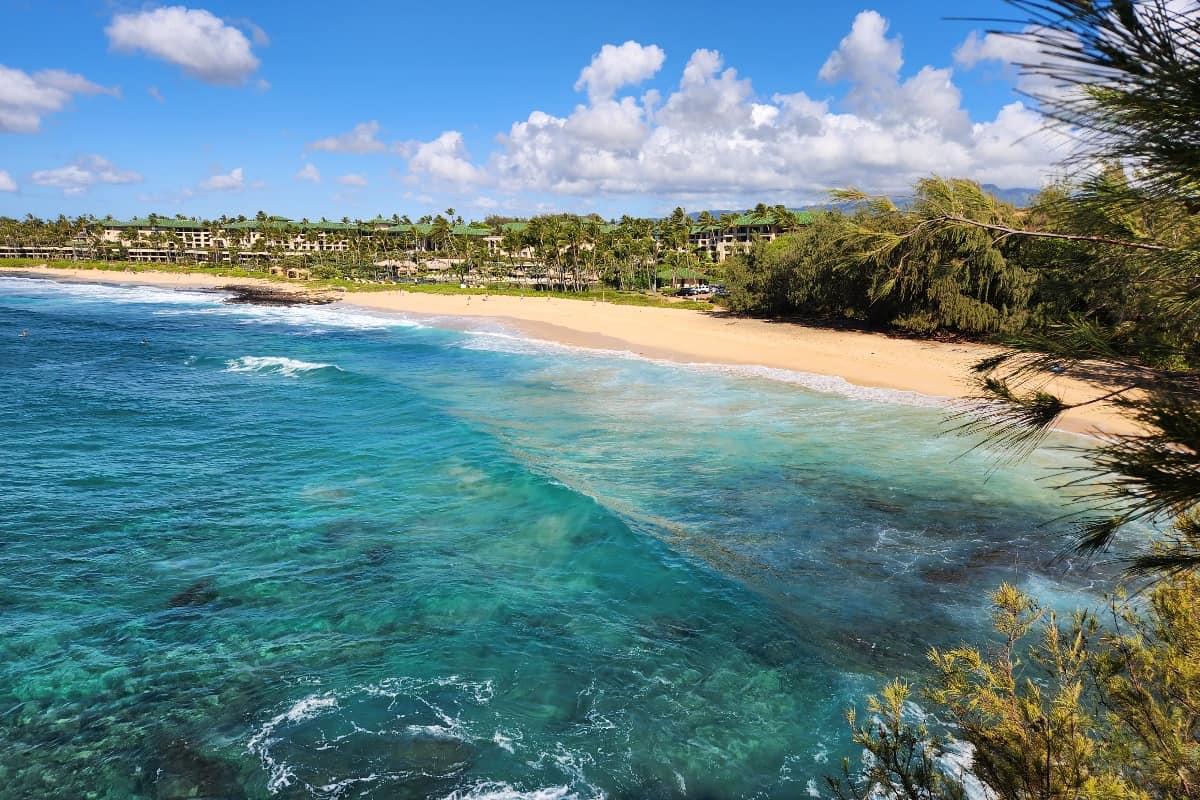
(277, 240)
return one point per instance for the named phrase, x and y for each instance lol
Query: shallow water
(314, 552)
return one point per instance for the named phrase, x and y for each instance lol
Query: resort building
(720, 241)
(394, 248)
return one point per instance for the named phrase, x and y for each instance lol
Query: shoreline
(939, 370)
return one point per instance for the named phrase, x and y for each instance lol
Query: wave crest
(289, 367)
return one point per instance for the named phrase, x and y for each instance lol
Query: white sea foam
(290, 367)
(502, 342)
(109, 292)
(270, 742)
(212, 302)
(281, 775)
(493, 790)
(318, 318)
(958, 761)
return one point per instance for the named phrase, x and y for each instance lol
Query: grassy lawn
(600, 295)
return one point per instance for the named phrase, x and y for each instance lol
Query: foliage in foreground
(1097, 708)
(1091, 709)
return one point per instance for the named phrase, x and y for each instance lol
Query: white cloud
(609, 124)
(1014, 52)
(715, 140)
(362, 139)
(155, 93)
(866, 59)
(7, 184)
(869, 62)
(26, 98)
(352, 179)
(87, 171)
(202, 44)
(233, 181)
(619, 65)
(309, 172)
(444, 160)
(993, 47)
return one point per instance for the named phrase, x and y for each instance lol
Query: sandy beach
(939, 369)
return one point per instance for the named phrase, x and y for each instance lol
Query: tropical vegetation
(566, 252)
(1104, 705)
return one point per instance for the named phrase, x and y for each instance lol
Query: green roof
(160, 222)
(471, 230)
(329, 225)
(423, 228)
(254, 224)
(752, 219)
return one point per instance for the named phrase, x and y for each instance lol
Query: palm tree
(678, 234)
(511, 242)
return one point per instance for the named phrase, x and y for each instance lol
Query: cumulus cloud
(444, 160)
(1014, 53)
(309, 172)
(713, 138)
(25, 98)
(233, 181)
(7, 184)
(866, 59)
(194, 39)
(363, 138)
(87, 171)
(619, 65)
(352, 179)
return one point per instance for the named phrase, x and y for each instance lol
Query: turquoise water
(254, 552)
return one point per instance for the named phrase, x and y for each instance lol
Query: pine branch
(1074, 237)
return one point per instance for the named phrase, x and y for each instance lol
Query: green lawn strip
(596, 295)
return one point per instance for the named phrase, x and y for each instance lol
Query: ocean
(315, 552)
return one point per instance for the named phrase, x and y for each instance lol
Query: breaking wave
(289, 367)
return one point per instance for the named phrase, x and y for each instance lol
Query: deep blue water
(320, 553)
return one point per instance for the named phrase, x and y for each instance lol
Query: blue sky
(311, 110)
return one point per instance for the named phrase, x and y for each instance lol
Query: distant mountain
(1019, 197)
